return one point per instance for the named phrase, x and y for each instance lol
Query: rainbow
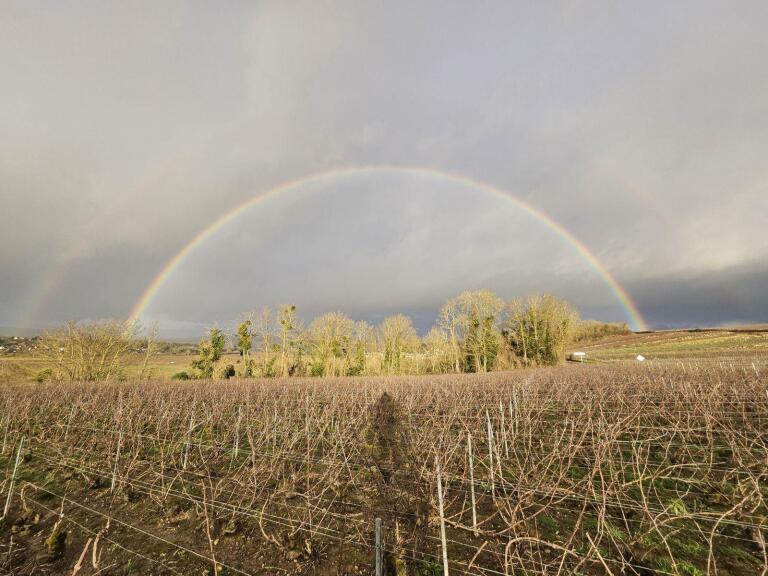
(634, 317)
(45, 289)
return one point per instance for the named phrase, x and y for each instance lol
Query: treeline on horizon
(476, 331)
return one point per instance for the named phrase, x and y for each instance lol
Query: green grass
(548, 525)
(706, 345)
(430, 568)
(684, 568)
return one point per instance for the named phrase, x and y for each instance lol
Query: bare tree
(287, 321)
(480, 316)
(89, 351)
(471, 322)
(449, 322)
(330, 336)
(244, 344)
(539, 328)
(363, 338)
(440, 352)
(149, 351)
(264, 330)
(397, 335)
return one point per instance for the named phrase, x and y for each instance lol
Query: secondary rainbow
(634, 317)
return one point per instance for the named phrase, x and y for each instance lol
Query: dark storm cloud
(125, 129)
(736, 295)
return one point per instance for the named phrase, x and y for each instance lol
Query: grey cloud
(735, 295)
(126, 129)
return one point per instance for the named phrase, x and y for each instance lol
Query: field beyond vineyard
(655, 468)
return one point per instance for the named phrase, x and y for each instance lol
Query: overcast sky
(125, 128)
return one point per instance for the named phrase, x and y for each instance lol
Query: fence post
(13, 478)
(442, 516)
(189, 440)
(490, 454)
(379, 549)
(8, 422)
(117, 460)
(472, 482)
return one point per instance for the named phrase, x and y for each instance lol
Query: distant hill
(742, 343)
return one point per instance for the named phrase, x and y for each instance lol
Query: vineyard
(616, 469)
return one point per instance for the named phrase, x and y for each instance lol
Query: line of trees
(590, 330)
(476, 331)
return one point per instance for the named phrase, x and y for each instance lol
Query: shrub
(227, 372)
(593, 330)
(210, 353)
(317, 370)
(44, 375)
(88, 351)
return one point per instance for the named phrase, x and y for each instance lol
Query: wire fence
(616, 471)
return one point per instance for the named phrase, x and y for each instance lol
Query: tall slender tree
(264, 330)
(330, 335)
(287, 319)
(472, 322)
(210, 353)
(398, 335)
(244, 343)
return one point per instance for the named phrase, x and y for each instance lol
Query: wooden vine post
(440, 504)
(117, 460)
(490, 454)
(472, 482)
(379, 549)
(13, 478)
